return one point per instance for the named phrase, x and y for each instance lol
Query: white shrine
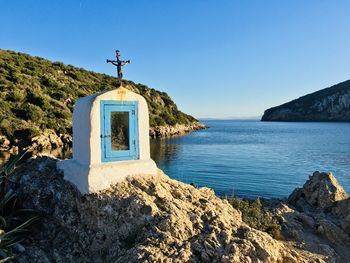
(110, 140)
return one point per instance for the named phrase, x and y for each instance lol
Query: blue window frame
(119, 130)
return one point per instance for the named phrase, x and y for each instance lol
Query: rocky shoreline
(157, 219)
(177, 129)
(49, 139)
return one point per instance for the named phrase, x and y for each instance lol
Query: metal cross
(119, 64)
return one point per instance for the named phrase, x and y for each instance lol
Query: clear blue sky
(214, 58)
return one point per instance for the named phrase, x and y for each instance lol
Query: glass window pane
(120, 130)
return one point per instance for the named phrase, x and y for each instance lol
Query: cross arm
(124, 62)
(112, 61)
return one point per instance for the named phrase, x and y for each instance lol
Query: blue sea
(253, 158)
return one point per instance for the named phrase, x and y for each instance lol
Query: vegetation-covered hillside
(330, 104)
(36, 94)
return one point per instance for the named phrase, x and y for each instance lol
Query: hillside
(330, 104)
(38, 95)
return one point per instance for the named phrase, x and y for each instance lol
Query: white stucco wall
(81, 129)
(86, 170)
(87, 125)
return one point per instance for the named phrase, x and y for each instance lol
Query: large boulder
(322, 210)
(322, 190)
(141, 219)
(47, 140)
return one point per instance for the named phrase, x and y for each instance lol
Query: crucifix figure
(119, 64)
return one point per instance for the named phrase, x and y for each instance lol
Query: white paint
(86, 170)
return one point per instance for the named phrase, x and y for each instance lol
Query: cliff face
(142, 219)
(330, 104)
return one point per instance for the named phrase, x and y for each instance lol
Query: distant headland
(330, 104)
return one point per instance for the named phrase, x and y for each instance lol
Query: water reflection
(164, 151)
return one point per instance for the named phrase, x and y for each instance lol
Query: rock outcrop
(178, 129)
(5, 146)
(322, 190)
(142, 219)
(4, 143)
(50, 140)
(330, 104)
(317, 216)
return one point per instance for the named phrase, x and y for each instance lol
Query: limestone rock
(315, 231)
(178, 129)
(47, 140)
(4, 143)
(320, 217)
(331, 231)
(66, 139)
(342, 211)
(322, 190)
(141, 219)
(13, 150)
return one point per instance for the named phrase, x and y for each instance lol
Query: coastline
(177, 129)
(49, 139)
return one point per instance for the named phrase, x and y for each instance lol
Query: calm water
(252, 158)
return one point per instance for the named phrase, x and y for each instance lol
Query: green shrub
(33, 112)
(49, 82)
(58, 65)
(152, 122)
(181, 118)
(30, 65)
(13, 76)
(68, 89)
(6, 127)
(168, 118)
(51, 123)
(160, 121)
(74, 75)
(58, 94)
(16, 95)
(257, 216)
(38, 99)
(62, 114)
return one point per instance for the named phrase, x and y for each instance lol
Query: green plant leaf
(3, 222)
(6, 259)
(8, 196)
(8, 169)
